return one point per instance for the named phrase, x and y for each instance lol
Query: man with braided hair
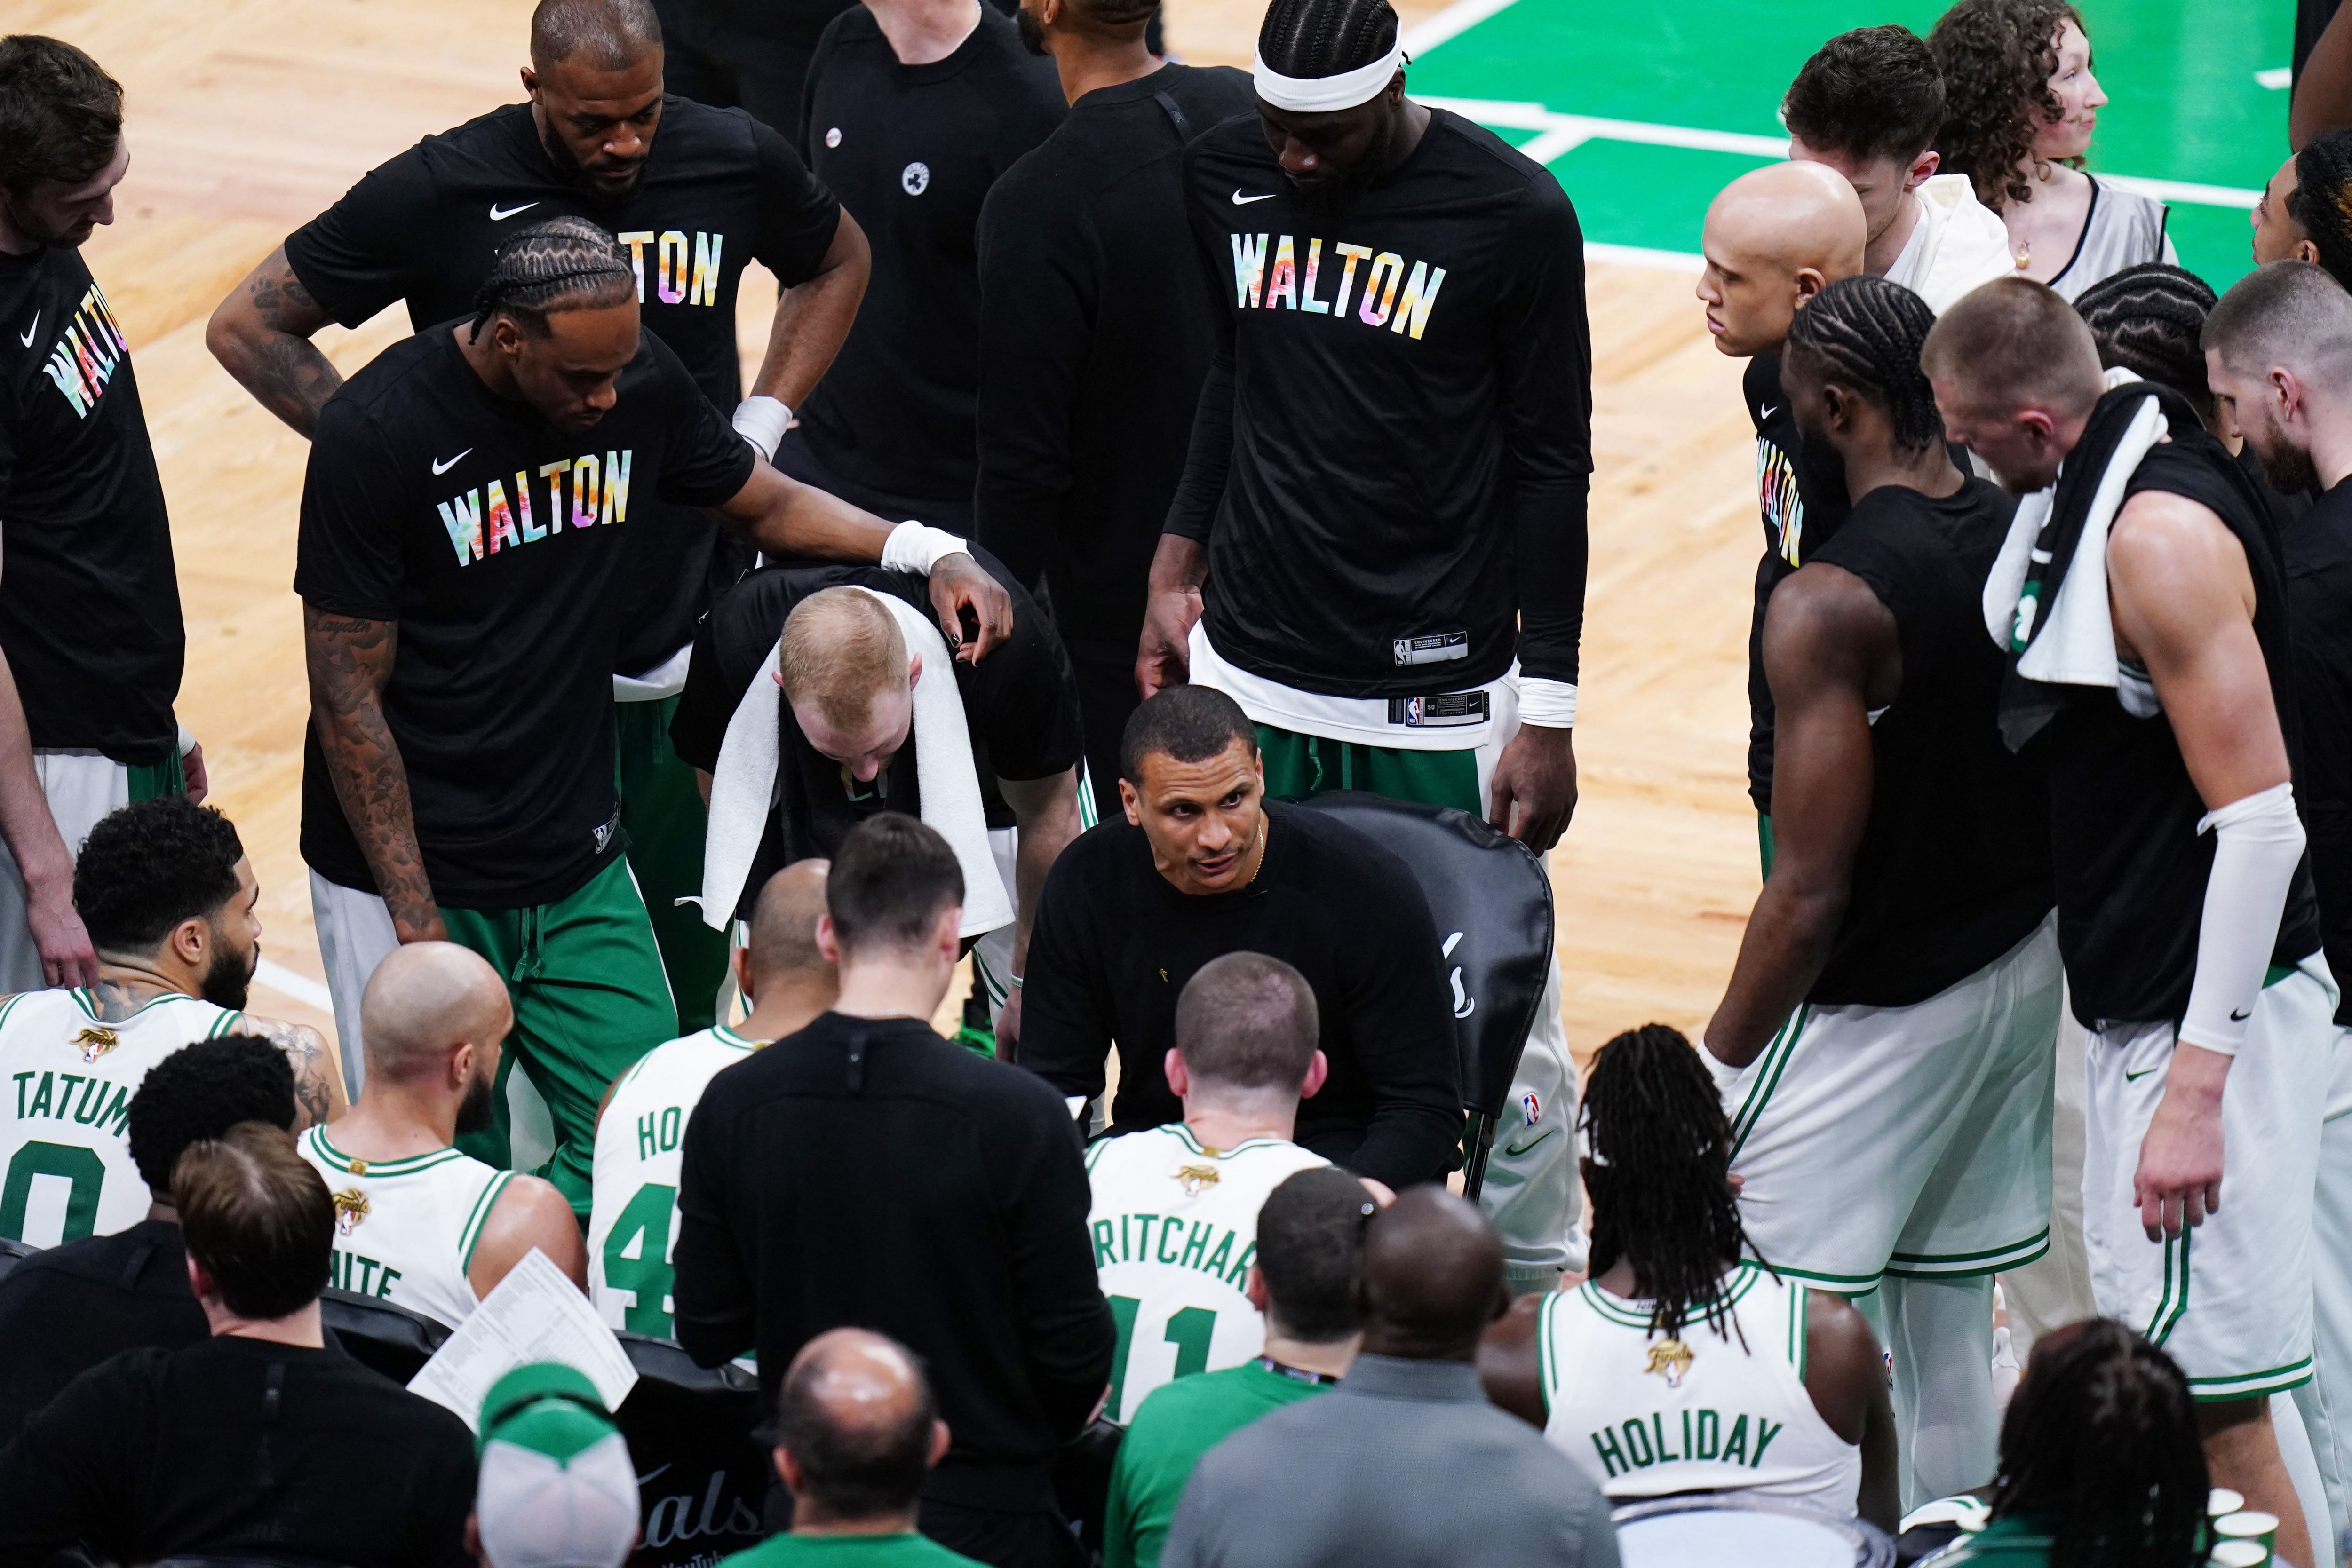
(2320, 203)
(462, 561)
(1884, 1046)
(1385, 498)
(1681, 1364)
(695, 195)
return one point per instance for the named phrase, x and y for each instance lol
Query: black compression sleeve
(1548, 426)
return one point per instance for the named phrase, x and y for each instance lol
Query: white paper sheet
(535, 1315)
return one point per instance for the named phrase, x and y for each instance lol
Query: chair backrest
(382, 1338)
(1491, 901)
(702, 1475)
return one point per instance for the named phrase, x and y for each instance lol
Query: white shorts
(2231, 1299)
(1910, 1140)
(81, 787)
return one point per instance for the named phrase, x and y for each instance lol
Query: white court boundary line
(1559, 134)
(293, 987)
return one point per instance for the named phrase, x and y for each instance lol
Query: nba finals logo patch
(350, 1207)
(1196, 1179)
(96, 1042)
(1670, 1359)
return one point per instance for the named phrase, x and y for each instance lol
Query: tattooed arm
(319, 1096)
(261, 334)
(350, 660)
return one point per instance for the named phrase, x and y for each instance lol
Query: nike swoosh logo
(2135, 1077)
(27, 338)
(2241, 1017)
(1770, 412)
(499, 214)
(1531, 1142)
(1242, 201)
(440, 467)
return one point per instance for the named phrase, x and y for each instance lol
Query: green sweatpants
(585, 978)
(662, 814)
(153, 781)
(1298, 766)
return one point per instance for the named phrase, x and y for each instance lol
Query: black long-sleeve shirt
(238, 1448)
(1114, 944)
(865, 1173)
(1391, 456)
(64, 1311)
(2318, 548)
(1096, 329)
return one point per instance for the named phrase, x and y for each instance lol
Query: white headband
(1320, 95)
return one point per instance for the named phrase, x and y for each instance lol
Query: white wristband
(1548, 704)
(913, 547)
(761, 421)
(187, 740)
(2257, 842)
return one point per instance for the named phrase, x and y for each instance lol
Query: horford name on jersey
(1376, 286)
(484, 520)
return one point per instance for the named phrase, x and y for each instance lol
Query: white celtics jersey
(67, 1152)
(633, 1220)
(1175, 1232)
(1644, 1415)
(405, 1229)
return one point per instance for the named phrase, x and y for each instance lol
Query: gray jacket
(1404, 1465)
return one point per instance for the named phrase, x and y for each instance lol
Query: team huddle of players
(2040, 621)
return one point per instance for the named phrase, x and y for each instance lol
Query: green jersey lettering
(80, 1167)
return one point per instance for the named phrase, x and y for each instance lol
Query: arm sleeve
(347, 557)
(797, 214)
(2258, 843)
(67, 1475)
(357, 256)
(1038, 269)
(716, 1313)
(1066, 1028)
(1402, 1031)
(1546, 392)
(1070, 1336)
(705, 462)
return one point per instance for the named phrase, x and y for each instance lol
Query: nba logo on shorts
(1531, 1107)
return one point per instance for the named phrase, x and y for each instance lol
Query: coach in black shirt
(258, 1442)
(694, 195)
(865, 1172)
(1097, 324)
(1202, 865)
(913, 109)
(64, 1311)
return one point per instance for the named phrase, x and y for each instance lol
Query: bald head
(1432, 1276)
(1774, 238)
(858, 1428)
(604, 34)
(784, 925)
(423, 1002)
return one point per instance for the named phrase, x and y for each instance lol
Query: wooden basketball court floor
(248, 116)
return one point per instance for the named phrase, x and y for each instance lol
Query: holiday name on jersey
(1131, 1240)
(88, 351)
(360, 1276)
(674, 282)
(1287, 285)
(1702, 1437)
(600, 494)
(92, 1108)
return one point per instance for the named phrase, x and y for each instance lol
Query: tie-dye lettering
(485, 520)
(87, 351)
(674, 283)
(1288, 285)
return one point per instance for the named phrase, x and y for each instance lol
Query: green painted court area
(1643, 110)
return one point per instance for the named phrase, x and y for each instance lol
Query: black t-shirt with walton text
(498, 543)
(1801, 496)
(719, 190)
(1020, 707)
(90, 604)
(913, 151)
(1954, 867)
(1391, 455)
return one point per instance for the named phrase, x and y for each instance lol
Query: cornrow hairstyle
(1997, 57)
(1657, 1150)
(2101, 1442)
(2322, 199)
(1325, 37)
(1865, 333)
(2148, 318)
(564, 263)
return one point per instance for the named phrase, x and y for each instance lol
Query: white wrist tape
(2257, 841)
(187, 740)
(1548, 704)
(913, 547)
(761, 421)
